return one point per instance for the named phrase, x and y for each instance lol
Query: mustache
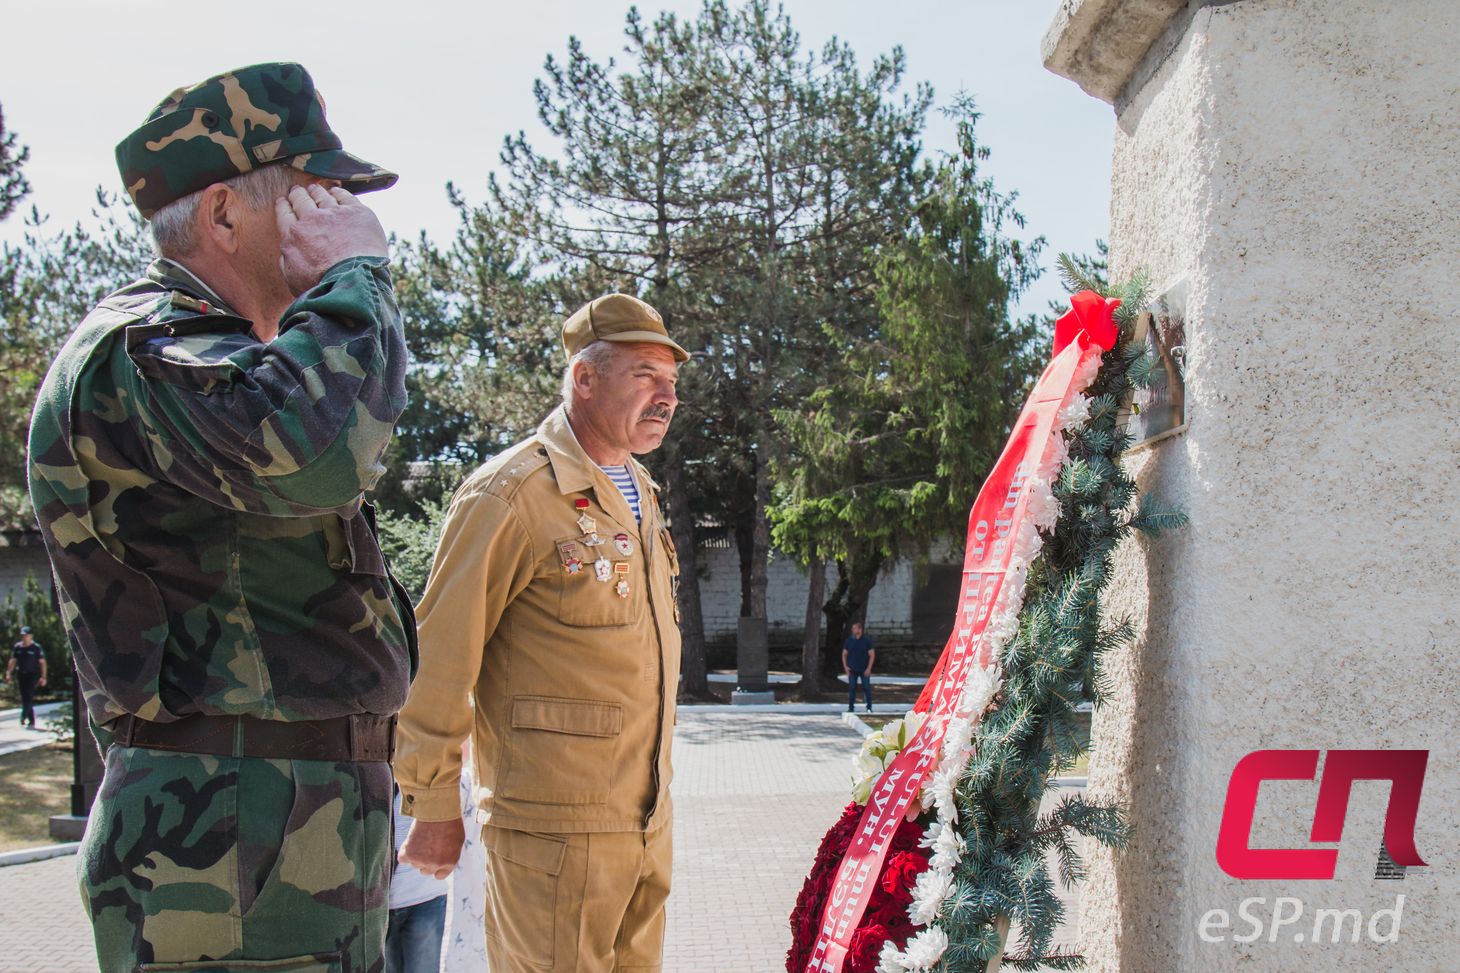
(656, 412)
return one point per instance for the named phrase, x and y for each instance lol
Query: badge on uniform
(623, 589)
(603, 569)
(586, 523)
(568, 552)
(592, 539)
(622, 544)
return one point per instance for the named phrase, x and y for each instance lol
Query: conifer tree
(910, 413)
(13, 185)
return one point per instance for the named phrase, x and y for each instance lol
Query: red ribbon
(993, 524)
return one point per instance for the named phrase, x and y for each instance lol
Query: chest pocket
(587, 602)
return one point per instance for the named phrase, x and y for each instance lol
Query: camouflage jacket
(200, 496)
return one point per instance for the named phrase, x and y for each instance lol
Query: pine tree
(13, 184)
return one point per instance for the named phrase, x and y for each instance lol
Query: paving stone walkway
(753, 795)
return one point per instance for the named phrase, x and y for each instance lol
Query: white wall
(1296, 164)
(889, 610)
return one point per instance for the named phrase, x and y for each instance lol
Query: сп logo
(1404, 768)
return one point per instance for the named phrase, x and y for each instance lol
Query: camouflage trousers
(224, 864)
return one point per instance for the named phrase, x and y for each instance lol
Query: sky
(430, 88)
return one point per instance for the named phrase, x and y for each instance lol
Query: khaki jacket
(572, 678)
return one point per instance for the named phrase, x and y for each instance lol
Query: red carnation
(902, 871)
(885, 918)
(865, 948)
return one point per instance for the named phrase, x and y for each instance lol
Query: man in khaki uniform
(551, 602)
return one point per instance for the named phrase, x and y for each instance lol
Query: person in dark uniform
(28, 664)
(858, 655)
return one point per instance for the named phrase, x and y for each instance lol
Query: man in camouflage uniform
(197, 459)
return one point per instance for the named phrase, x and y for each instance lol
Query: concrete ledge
(67, 827)
(26, 855)
(1099, 44)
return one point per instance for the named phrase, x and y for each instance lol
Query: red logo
(1404, 769)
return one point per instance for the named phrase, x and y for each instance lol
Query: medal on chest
(586, 523)
(623, 545)
(603, 569)
(568, 554)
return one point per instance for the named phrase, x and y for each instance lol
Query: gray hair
(172, 225)
(596, 355)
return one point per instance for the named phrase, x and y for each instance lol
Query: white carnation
(1086, 373)
(1012, 593)
(938, 789)
(1043, 509)
(1055, 455)
(1075, 413)
(1027, 544)
(892, 960)
(926, 948)
(1002, 627)
(959, 737)
(931, 888)
(930, 836)
(947, 847)
(980, 689)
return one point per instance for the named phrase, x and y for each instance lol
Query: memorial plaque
(1158, 411)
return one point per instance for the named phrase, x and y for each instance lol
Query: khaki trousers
(576, 903)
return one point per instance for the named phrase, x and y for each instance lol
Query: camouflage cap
(617, 317)
(234, 123)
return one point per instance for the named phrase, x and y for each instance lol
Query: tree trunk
(691, 618)
(811, 639)
(856, 577)
(760, 535)
(745, 548)
(836, 624)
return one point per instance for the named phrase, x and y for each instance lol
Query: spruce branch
(1076, 279)
(1060, 959)
(1153, 517)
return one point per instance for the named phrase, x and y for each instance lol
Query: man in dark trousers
(858, 655)
(29, 659)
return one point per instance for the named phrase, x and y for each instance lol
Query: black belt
(364, 737)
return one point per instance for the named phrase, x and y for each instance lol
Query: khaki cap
(617, 317)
